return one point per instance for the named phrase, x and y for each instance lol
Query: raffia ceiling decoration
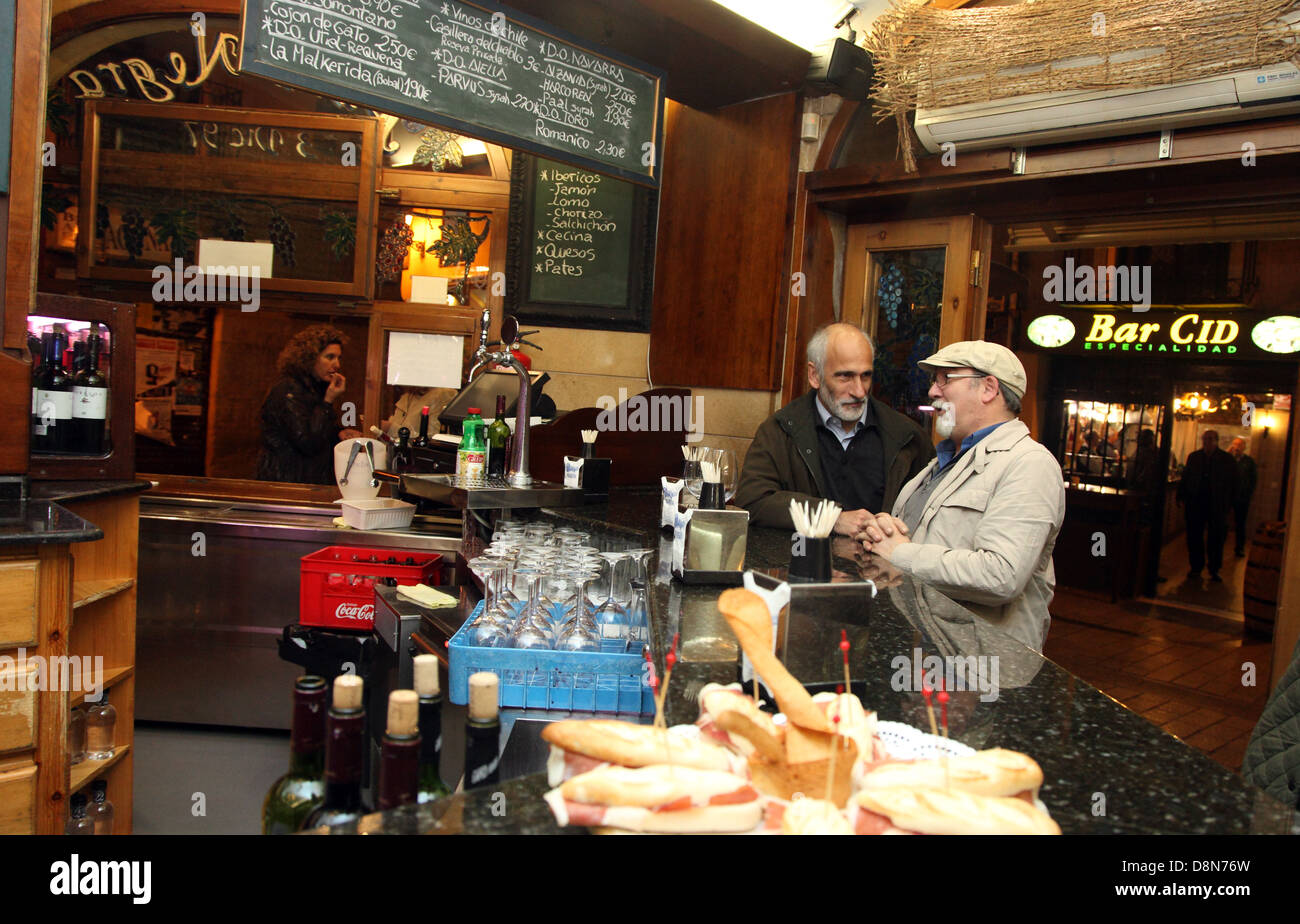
(929, 58)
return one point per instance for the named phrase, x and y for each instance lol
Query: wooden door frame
(965, 292)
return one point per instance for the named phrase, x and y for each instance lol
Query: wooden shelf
(92, 591)
(112, 675)
(84, 773)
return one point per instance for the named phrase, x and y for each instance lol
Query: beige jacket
(986, 534)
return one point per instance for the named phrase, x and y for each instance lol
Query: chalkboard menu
(580, 247)
(477, 68)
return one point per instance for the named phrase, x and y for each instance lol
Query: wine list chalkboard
(476, 68)
(580, 248)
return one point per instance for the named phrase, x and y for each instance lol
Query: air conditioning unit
(1042, 118)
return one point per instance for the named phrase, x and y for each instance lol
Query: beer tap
(517, 473)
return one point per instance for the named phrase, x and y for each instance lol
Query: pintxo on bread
(737, 765)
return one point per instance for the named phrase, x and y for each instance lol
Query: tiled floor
(1192, 673)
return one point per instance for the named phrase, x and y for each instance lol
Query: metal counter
(218, 581)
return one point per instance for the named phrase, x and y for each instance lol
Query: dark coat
(1272, 760)
(783, 461)
(299, 431)
(1247, 478)
(1223, 480)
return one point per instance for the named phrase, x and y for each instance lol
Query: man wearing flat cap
(980, 521)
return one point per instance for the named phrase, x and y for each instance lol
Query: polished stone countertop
(38, 522)
(1106, 769)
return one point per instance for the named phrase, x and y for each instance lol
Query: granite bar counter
(1106, 769)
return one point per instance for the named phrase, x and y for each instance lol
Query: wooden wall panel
(19, 236)
(721, 269)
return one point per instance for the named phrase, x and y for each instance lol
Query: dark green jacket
(1272, 759)
(782, 462)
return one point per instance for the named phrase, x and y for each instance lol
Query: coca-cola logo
(355, 611)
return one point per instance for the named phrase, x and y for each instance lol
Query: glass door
(915, 286)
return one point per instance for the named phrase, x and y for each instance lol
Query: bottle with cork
(100, 810)
(399, 753)
(428, 688)
(482, 732)
(345, 748)
(77, 822)
(296, 794)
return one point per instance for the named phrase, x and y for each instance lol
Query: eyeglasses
(942, 379)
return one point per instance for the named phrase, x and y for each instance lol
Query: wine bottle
(54, 397)
(38, 349)
(100, 810)
(296, 794)
(498, 439)
(90, 401)
(345, 747)
(482, 732)
(402, 452)
(421, 441)
(399, 752)
(428, 688)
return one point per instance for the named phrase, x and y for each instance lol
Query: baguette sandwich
(944, 811)
(658, 799)
(578, 746)
(995, 772)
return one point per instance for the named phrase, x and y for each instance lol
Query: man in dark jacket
(834, 442)
(1206, 492)
(299, 419)
(1247, 478)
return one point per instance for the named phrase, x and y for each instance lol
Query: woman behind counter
(299, 419)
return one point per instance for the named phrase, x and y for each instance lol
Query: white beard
(947, 419)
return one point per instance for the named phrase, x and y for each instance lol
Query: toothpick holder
(810, 560)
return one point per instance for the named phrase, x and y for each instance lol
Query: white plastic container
(378, 513)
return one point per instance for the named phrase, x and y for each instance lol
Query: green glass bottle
(471, 457)
(429, 689)
(498, 440)
(302, 789)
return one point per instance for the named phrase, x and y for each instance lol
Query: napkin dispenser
(712, 541)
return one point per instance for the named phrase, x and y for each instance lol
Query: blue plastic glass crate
(610, 680)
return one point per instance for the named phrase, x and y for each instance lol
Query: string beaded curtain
(930, 58)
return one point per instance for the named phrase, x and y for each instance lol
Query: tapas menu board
(580, 248)
(476, 68)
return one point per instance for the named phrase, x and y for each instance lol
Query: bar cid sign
(1217, 335)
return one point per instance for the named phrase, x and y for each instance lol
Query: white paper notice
(430, 360)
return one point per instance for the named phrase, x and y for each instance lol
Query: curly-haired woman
(299, 419)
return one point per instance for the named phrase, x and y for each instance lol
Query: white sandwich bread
(658, 799)
(814, 816)
(579, 745)
(995, 772)
(944, 811)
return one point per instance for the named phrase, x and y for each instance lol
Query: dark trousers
(1239, 512)
(1201, 521)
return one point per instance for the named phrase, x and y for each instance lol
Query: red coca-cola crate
(337, 590)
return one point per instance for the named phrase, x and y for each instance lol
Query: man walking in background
(1206, 493)
(1243, 491)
